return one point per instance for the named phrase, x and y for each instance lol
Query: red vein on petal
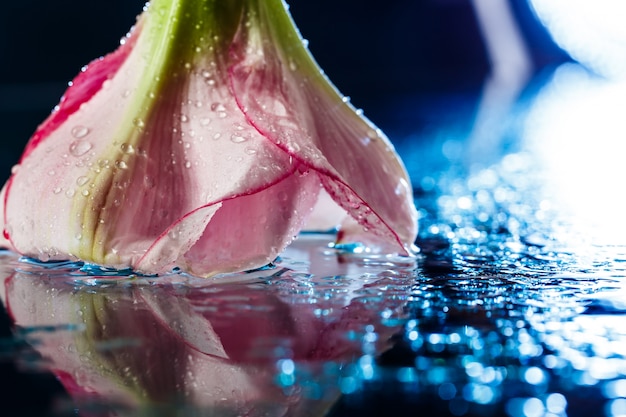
(325, 172)
(264, 187)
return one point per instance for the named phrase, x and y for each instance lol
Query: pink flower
(204, 142)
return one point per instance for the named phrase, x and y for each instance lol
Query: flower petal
(284, 95)
(251, 230)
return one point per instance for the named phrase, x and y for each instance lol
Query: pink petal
(291, 103)
(251, 230)
(326, 214)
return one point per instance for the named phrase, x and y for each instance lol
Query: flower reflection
(265, 343)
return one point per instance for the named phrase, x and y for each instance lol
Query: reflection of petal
(212, 343)
(184, 321)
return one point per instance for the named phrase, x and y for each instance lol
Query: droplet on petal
(80, 147)
(80, 132)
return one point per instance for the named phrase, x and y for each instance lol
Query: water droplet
(70, 193)
(85, 193)
(218, 107)
(80, 132)
(15, 168)
(80, 147)
(52, 172)
(221, 115)
(206, 74)
(237, 139)
(57, 190)
(205, 121)
(217, 136)
(184, 118)
(138, 122)
(187, 164)
(292, 65)
(127, 148)
(250, 151)
(82, 180)
(126, 93)
(121, 164)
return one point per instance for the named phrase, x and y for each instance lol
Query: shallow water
(515, 306)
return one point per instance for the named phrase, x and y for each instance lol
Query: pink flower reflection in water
(269, 343)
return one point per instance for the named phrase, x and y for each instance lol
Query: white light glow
(578, 129)
(592, 32)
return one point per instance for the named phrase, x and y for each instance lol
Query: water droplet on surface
(85, 193)
(217, 136)
(52, 172)
(250, 151)
(80, 132)
(57, 190)
(237, 139)
(138, 122)
(70, 193)
(80, 147)
(187, 164)
(205, 121)
(15, 168)
(184, 118)
(82, 180)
